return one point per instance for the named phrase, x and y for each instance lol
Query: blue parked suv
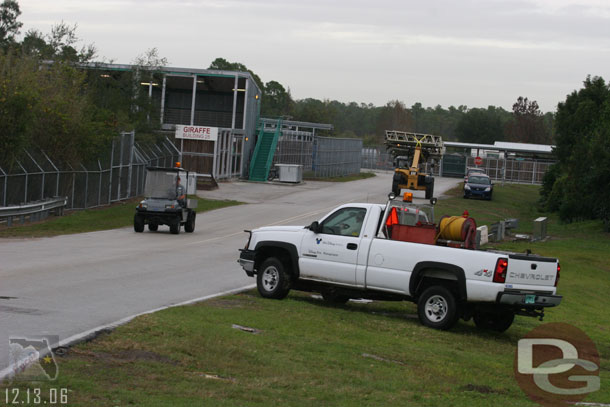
(478, 185)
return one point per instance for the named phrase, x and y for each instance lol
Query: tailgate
(534, 270)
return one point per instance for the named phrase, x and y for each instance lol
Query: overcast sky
(448, 52)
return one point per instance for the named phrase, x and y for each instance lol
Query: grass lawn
(308, 353)
(355, 177)
(117, 215)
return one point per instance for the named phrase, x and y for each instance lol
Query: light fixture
(239, 90)
(105, 75)
(148, 84)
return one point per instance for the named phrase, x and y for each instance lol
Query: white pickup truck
(356, 252)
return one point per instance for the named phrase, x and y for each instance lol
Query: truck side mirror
(314, 227)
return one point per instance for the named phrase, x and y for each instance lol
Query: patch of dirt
(482, 389)
(230, 303)
(125, 356)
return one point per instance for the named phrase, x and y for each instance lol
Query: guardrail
(36, 211)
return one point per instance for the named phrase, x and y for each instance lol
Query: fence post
(56, 170)
(41, 171)
(73, 185)
(534, 172)
(86, 185)
(110, 179)
(5, 182)
(129, 171)
(25, 198)
(118, 192)
(99, 189)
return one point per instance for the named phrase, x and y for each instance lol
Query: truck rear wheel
(138, 223)
(272, 280)
(437, 308)
(498, 322)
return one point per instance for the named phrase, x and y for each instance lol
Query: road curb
(9, 372)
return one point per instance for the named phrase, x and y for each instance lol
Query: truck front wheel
(498, 322)
(272, 280)
(437, 308)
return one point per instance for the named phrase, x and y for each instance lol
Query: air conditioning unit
(290, 172)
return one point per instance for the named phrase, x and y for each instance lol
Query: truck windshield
(161, 184)
(474, 179)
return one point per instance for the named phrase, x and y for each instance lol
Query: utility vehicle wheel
(437, 308)
(430, 189)
(272, 280)
(189, 226)
(153, 227)
(138, 223)
(395, 188)
(174, 228)
(332, 296)
(493, 321)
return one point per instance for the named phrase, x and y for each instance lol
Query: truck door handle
(352, 246)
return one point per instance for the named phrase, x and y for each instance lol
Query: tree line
(47, 101)
(525, 123)
(577, 186)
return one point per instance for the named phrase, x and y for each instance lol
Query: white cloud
(374, 35)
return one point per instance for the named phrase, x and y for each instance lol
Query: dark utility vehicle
(166, 190)
(478, 185)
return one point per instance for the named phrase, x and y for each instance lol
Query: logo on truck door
(557, 365)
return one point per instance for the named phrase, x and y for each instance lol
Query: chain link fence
(379, 159)
(119, 175)
(320, 156)
(336, 157)
(376, 159)
(295, 147)
(514, 170)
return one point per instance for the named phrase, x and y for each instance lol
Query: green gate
(454, 165)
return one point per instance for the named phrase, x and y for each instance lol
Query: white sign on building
(196, 132)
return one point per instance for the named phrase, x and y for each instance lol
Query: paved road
(71, 284)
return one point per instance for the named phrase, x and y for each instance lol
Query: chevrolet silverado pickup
(393, 252)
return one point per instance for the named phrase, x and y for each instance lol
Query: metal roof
(540, 148)
(505, 146)
(176, 71)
